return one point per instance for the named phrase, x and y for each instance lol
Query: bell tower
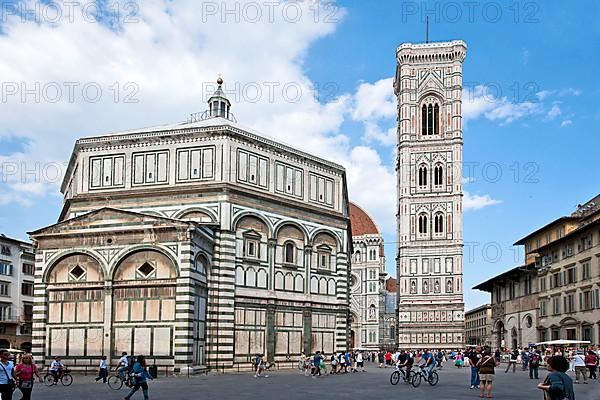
(428, 86)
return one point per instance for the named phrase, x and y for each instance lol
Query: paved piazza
(287, 384)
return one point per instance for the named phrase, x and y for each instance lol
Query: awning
(563, 342)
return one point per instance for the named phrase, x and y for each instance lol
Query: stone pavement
(288, 384)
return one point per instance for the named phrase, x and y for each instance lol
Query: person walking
(514, 356)
(388, 359)
(497, 356)
(7, 383)
(359, 362)
(525, 357)
(459, 360)
(474, 356)
(580, 367)
(534, 364)
(557, 385)
(102, 370)
(25, 374)
(141, 377)
(591, 362)
(486, 365)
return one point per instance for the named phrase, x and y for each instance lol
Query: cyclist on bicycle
(429, 365)
(56, 369)
(405, 360)
(123, 365)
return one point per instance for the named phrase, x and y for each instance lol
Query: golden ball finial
(219, 80)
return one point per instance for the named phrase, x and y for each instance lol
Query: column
(185, 294)
(271, 331)
(107, 329)
(221, 303)
(40, 311)
(307, 328)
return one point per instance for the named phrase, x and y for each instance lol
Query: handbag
(28, 384)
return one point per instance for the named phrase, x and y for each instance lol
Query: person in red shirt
(388, 359)
(24, 373)
(591, 362)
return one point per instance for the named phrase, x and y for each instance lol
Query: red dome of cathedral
(362, 224)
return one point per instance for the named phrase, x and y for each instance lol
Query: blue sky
(530, 110)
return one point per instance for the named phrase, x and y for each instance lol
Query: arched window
(438, 175)
(439, 223)
(201, 264)
(422, 176)
(430, 117)
(357, 256)
(422, 224)
(290, 253)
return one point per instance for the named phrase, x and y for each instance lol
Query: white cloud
(566, 122)
(375, 100)
(372, 185)
(542, 95)
(570, 92)
(374, 133)
(481, 101)
(554, 112)
(473, 202)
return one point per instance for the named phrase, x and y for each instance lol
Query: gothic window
(357, 256)
(439, 223)
(430, 118)
(422, 224)
(372, 255)
(422, 176)
(438, 175)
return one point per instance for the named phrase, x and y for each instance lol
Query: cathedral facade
(428, 87)
(366, 281)
(198, 244)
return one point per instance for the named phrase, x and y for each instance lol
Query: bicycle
(395, 377)
(115, 381)
(64, 377)
(432, 378)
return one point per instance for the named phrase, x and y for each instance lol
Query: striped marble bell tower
(428, 86)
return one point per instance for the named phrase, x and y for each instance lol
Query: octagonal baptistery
(197, 244)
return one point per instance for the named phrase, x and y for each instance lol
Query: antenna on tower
(427, 29)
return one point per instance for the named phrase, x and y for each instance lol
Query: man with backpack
(534, 364)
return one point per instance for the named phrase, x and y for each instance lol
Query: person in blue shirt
(557, 385)
(316, 364)
(141, 376)
(429, 362)
(6, 375)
